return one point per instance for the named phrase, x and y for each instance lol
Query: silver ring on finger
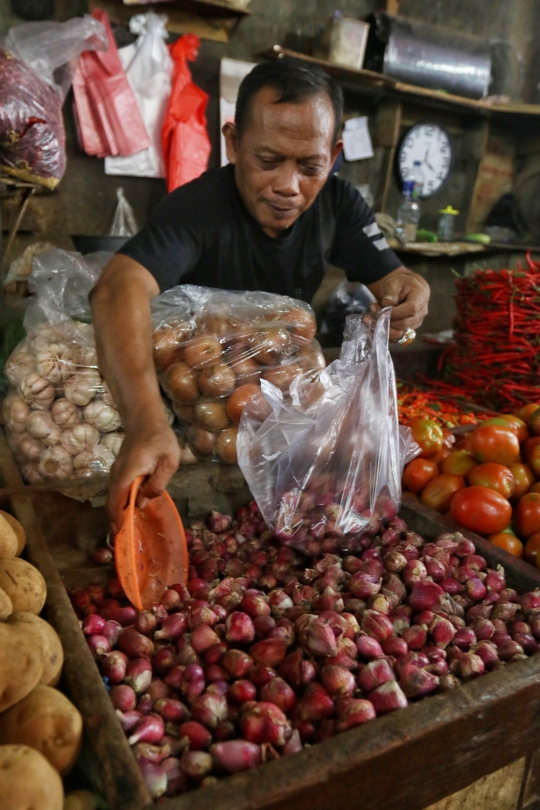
(408, 336)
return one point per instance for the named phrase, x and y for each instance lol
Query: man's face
(283, 158)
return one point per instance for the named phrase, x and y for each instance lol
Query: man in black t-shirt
(266, 222)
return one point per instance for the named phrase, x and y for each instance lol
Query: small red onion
(242, 691)
(468, 666)
(209, 709)
(197, 764)
(264, 723)
(111, 631)
(134, 644)
(172, 711)
(338, 681)
(237, 755)
(316, 704)
(145, 704)
(154, 777)
(293, 744)
(395, 647)
(269, 652)
(175, 677)
(495, 581)
(123, 697)
(321, 639)
(260, 675)
(114, 666)
(203, 637)
(418, 682)
(451, 585)
(128, 720)
(377, 625)
(487, 651)
(93, 625)
(198, 736)
(139, 674)
(387, 697)
(145, 622)
(415, 636)
(414, 571)
(375, 673)
(150, 728)
(239, 628)
(172, 628)
(369, 648)
(158, 689)
(218, 522)
(99, 645)
(424, 595)
(508, 648)
(442, 631)
(127, 616)
(464, 637)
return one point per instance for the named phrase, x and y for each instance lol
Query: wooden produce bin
(471, 748)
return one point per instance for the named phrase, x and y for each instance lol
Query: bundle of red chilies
(266, 651)
(495, 360)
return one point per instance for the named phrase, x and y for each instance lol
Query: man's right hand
(152, 452)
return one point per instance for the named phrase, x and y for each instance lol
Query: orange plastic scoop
(150, 550)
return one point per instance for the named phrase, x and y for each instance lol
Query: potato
(6, 605)
(23, 584)
(21, 663)
(8, 538)
(45, 719)
(51, 646)
(28, 780)
(18, 529)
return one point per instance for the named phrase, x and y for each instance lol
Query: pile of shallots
(266, 651)
(60, 419)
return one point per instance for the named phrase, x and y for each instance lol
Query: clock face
(431, 145)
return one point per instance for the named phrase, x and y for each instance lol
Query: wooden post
(387, 129)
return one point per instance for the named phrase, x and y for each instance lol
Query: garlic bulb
(56, 362)
(78, 438)
(30, 448)
(92, 462)
(41, 426)
(107, 396)
(82, 387)
(55, 462)
(16, 413)
(37, 391)
(88, 357)
(65, 413)
(103, 417)
(113, 442)
(19, 365)
(30, 473)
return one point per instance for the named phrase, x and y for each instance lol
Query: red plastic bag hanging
(186, 146)
(108, 117)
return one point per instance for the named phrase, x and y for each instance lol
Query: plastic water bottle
(417, 175)
(408, 215)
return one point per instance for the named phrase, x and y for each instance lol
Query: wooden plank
(387, 129)
(497, 791)
(495, 177)
(114, 771)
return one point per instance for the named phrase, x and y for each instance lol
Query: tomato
(438, 492)
(509, 542)
(527, 411)
(494, 476)
(527, 514)
(533, 422)
(464, 443)
(428, 434)
(481, 510)
(417, 473)
(532, 549)
(459, 462)
(519, 426)
(439, 457)
(529, 445)
(449, 438)
(534, 460)
(495, 443)
(523, 480)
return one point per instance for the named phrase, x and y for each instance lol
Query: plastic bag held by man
(186, 146)
(325, 469)
(108, 118)
(37, 63)
(148, 66)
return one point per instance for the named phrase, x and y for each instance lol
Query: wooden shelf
(369, 82)
(451, 249)
(208, 19)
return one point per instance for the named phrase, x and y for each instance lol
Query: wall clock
(431, 145)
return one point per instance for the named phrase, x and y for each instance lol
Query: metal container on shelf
(429, 56)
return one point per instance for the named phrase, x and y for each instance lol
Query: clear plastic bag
(60, 419)
(36, 68)
(325, 468)
(148, 67)
(124, 222)
(212, 348)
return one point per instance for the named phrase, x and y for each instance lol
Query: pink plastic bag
(325, 468)
(108, 118)
(186, 146)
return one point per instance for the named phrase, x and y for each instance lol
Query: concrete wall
(85, 200)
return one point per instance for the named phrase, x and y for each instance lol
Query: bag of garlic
(60, 419)
(213, 347)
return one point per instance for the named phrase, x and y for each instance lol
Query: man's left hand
(408, 294)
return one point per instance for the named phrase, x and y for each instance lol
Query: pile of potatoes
(212, 362)
(40, 729)
(60, 419)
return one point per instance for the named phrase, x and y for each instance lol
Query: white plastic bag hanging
(148, 67)
(124, 222)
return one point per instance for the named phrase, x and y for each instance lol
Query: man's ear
(338, 146)
(231, 141)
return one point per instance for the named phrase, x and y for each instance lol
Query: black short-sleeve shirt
(201, 233)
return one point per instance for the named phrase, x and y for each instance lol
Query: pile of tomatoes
(488, 480)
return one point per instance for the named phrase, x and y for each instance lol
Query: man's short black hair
(295, 81)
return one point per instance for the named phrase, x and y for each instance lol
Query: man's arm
(408, 294)
(121, 311)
